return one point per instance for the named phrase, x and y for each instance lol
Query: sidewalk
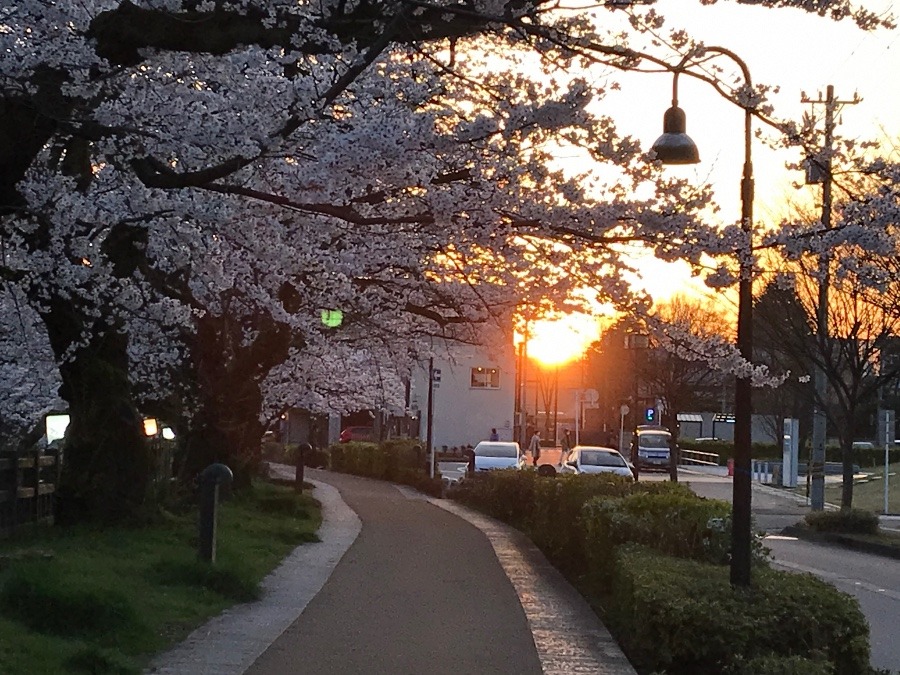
(410, 586)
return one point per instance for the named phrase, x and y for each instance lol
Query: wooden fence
(27, 487)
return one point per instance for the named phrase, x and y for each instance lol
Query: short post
(302, 449)
(210, 479)
(887, 471)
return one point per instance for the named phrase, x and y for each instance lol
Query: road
(871, 579)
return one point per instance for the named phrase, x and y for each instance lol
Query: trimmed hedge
(397, 461)
(676, 524)
(287, 454)
(854, 521)
(677, 615)
(683, 617)
(549, 510)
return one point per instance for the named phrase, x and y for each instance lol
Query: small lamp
(675, 146)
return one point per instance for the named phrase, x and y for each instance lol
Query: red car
(357, 434)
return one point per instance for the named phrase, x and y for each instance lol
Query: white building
(474, 392)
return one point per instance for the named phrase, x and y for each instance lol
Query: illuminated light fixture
(332, 318)
(151, 428)
(675, 146)
(168, 434)
(55, 426)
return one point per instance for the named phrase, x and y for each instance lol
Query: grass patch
(84, 600)
(228, 580)
(869, 495)
(883, 538)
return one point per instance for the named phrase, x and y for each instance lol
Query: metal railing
(698, 457)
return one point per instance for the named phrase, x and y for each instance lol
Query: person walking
(535, 447)
(566, 448)
(494, 435)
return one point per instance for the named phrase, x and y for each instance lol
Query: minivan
(650, 447)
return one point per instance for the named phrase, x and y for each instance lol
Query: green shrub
(91, 660)
(315, 458)
(677, 524)
(549, 510)
(776, 664)
(227, 581)
(725, 449)
(508, 495)
(396, 460)
(682, 617)
(37, 596)
(854, 521)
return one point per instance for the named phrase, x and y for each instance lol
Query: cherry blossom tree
(185, 184)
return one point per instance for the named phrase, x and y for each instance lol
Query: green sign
(332, 317)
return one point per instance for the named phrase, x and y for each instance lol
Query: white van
(650, 447)
(498, 455)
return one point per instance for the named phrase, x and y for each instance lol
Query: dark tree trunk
(226, 426)
(847, 470)
(223, 432)
(106, 464)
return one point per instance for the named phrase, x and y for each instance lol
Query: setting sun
(553, 342)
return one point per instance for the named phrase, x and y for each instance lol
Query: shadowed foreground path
(403, 585)
(430, 587)
(419, 591)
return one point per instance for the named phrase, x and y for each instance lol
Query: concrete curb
(229, 643)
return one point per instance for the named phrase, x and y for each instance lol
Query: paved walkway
(416, 586)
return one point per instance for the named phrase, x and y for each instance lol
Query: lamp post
(675, 147)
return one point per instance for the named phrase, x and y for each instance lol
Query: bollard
(210, 479)
(302, 449)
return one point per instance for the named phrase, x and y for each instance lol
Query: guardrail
(27, 486)
(698, 457)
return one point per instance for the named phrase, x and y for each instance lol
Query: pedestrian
(566, 448)
(535, 447)
(494, 435)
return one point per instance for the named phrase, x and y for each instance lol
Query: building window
(485, 378)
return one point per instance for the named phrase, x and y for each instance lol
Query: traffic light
(650, 414)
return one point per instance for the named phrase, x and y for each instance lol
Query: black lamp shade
(675, 146)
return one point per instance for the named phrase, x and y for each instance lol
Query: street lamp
(672, 148)
(675, 146)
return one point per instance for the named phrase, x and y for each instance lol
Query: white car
(498, 455)
(597, 459)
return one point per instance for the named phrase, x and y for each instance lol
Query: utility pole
(429, 439)
(819, 171)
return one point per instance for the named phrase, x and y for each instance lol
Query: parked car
(498, 455)
(597, 459)
(366, 434)
(650, 447)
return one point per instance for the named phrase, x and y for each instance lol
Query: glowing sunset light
(553, 342)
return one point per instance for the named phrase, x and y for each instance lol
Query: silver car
(498, 455)
(597, 459)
